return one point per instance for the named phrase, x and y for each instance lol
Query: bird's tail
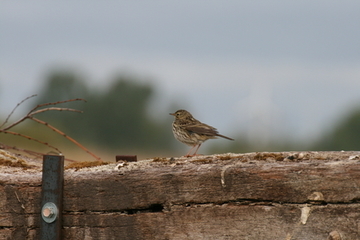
(225, 137)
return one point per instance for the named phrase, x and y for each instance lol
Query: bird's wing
(202, 129)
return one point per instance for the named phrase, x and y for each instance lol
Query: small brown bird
(191, 131)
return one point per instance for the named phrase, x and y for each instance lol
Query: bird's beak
(172, 114)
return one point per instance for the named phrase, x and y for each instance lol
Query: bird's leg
(197, 150)
(192, 155)
(188, 153)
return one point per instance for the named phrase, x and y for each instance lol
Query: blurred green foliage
(113, 118)
(117, 118)
(345, 135)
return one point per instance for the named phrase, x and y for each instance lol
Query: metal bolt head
(49, 212)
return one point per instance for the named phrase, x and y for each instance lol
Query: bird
(191, 131)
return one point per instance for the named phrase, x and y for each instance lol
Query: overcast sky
(264, 67)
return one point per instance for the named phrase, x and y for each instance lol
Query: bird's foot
(193, 155)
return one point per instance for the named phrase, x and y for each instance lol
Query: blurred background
(275, 75)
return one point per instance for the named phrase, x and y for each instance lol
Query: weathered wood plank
(228, 221)
(245, 196)
(213, 181)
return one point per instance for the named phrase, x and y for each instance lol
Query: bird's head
(181, 114)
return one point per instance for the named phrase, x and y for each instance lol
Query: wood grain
(297, 195)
